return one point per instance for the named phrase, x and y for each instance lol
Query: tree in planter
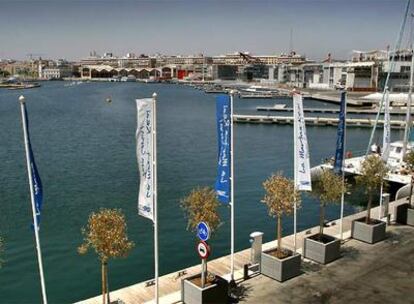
(279, 198)
(106, 233)
(328, 189)
(409, 161)
(373, 172)
(201, 205)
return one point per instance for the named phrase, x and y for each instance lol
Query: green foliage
(373, 172)
(106, 232)
(4, 73)
(280, 195)
(201, 205)
(328, 189)
(409, 160)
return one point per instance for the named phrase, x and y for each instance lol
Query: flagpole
(341, 227)
(386, 141)
(32, 198)
(232, 186)
(294, 175)
(154, 163)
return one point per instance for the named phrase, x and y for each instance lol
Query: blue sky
(71, 29)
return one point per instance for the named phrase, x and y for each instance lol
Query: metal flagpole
(154, 164)
(380, 202)
(385, 149)
(343, 173)
(32, 198)
(294, 174)
(232, 186)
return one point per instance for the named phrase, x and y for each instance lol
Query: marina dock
(314, 121)
(170, 284)
(335, 98)
(331, 110)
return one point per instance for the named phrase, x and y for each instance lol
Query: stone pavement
(379, 273)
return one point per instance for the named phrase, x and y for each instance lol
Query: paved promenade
(379, 273)
(170, 284)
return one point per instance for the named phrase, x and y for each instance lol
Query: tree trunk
(103, 282)
(107, 283)
(279, 233)
(411, 194)
(321, 219)
(368, 218)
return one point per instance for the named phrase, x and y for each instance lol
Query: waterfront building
(400, 73)
(57, 69)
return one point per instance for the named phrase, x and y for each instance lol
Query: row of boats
(242, 91)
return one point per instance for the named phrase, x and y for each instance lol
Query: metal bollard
(256, 239)
(385, 204)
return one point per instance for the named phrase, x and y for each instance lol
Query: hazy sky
(71, 29)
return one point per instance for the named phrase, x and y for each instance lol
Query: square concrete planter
(405, 215)
(322, 251)
(368, 233)
(280, 269)
(191, 293)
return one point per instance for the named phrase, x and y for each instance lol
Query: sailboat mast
(409, 100)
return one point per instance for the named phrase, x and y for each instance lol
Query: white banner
(145, 157)
(302, 170)
(386, 139)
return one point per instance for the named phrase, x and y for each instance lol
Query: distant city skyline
(72, 29)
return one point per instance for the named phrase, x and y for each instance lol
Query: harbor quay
(380, 273)
(317, 284)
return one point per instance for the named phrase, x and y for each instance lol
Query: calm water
(85, 151)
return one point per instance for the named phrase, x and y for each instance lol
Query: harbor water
(85, 151)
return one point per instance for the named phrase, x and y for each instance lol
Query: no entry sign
(203, 250)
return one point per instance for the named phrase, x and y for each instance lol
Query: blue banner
(340, 138)
(37, 183)
(223, 113)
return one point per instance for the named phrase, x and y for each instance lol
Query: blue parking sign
(203, 231)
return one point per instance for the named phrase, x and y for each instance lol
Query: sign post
(203, 250)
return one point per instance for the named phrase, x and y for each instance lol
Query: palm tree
(279, 198)
(373, 172)
(201, 205)
(106, 233)
(328, 189)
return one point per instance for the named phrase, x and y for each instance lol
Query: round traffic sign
(203, 249)
(203, 231)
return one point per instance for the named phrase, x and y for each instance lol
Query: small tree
(280, 198)
(409, 161)
(328, 189)
(201, 205)
(373, 172)
(106, 233)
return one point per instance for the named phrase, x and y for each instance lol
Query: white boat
(352, 166)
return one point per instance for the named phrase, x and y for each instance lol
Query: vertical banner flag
(302, 174)
(340, 136)
(37, 183)
(386, 140)
(145, 157)
(223, 112)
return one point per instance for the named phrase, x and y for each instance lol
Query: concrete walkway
(170, 284)
(379, 273)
